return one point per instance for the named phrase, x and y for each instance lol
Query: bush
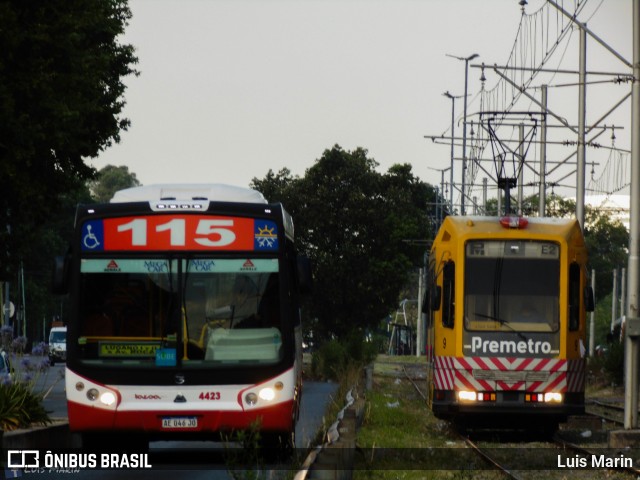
(608, 368)
(613, 363)
(19, 407)
(328, 360)
(20, 403)
(334, 357)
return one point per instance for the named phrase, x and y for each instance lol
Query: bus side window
(448, 294)
(574, 297)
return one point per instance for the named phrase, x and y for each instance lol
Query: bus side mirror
(436, 298)
(305, 278)
(60, 278)
(589, 302)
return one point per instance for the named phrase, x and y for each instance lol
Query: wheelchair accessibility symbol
(91, 239)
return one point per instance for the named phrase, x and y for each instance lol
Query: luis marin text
(595, 461)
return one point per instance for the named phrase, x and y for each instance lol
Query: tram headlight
(467, 396)
(553, 397)
(251, 398)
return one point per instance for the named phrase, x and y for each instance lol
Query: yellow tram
(506, 302)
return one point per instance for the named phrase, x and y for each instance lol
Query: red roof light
(514, 221)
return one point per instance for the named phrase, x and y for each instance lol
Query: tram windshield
(512, 286)
(195, 313)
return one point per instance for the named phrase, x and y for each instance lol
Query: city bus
(506, 309)
(185, 317)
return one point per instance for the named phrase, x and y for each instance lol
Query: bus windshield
(192, 313)
(512, 286)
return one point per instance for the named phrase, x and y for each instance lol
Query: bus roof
(214, 192)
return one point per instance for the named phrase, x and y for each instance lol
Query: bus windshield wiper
(502, 321)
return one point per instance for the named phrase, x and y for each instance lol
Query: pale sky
(229, 89)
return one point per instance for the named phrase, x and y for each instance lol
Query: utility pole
(542, 191)
(582, 111)
(633, 286)
(520, 167)
(614, 299)
(484, 196)
(592, 320)
(453, 123)
(464, 129)
(464, 125)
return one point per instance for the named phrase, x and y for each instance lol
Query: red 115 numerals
(175, 232)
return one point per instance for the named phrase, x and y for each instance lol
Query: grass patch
(401, 439)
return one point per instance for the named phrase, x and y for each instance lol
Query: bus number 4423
(209, 396)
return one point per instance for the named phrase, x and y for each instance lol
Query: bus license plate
(179, 422)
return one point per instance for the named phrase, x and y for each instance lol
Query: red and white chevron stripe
(508, 373)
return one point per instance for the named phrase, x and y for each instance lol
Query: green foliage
(61, 99)
(335, 357)
(602, 321)
(360, 228)
(613, 363)
(20, 407)
(328, 361)
(109, 180)
(607, 243)
(610, 365)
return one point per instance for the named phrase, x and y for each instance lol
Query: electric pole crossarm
(591, 34)
(553, 70)
(536, 101)
(611, 110)
(573, 153)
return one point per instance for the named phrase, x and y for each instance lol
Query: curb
(41, 437)
(334, 460)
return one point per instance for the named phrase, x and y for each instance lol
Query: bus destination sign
(179, 232)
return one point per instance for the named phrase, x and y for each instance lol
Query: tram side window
(574, 297)
(448, 294)
(431, 299)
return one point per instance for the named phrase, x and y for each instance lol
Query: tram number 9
(444, 343)
(209, 396)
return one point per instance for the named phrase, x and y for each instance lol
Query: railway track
(606, 410)
(564, 455)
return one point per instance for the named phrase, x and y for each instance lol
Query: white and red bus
(185, 319)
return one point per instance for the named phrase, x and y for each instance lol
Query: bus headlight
(108, 398)
(467, 396)
(553, 397)
(267, 394)
(92, 394)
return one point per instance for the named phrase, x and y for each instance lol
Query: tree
(608, 247)
(61, 99)
(357, 226)
(109, 180)
(53, 239)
